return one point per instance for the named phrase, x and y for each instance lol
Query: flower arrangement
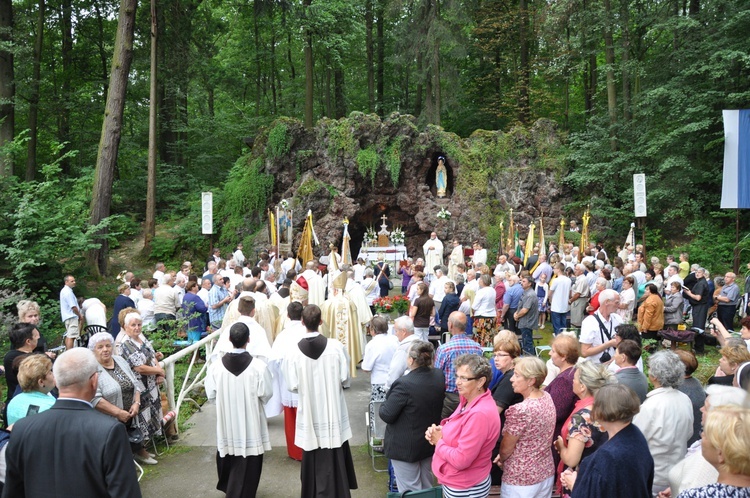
(397, 237)
(444, 214)
(284, 204)
(370, 236)
(399, 304)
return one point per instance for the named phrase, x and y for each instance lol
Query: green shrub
(368, 162)
(278, 141)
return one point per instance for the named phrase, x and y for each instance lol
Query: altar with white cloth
(392, 254)
(388, 244)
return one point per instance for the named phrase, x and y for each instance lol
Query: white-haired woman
(143, 360)
(118, 393)
(666, 417)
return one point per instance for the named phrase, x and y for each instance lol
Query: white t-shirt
(377, 359)
(627, 296)
(480, 257)
(591, 334)
(560, 290)
(94, 312)
(146, 309)
(484, 302)
(159, 276)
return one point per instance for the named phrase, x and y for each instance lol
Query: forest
(94, 94)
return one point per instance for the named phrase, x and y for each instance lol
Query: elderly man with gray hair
(403, 329)
(92, 441)
(598, 330)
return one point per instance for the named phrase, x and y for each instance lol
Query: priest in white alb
(340, 321)
(433, 255)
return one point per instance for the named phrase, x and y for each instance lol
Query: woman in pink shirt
(526, 450)
(464, 441)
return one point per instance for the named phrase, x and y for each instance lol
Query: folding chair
(88, 331)
(375, 435)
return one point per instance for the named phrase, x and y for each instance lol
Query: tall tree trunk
(256, 37)
(338, 92)
(109, 143)
(100, 42)
(419, 97)
(567, 78)
(328, 97)
(150, 229)
(273, 64)
(380, 14)
(66, 26)
(524, 103)
(309, 69)
(436, 83)
(625, 59)
(34, 97)
(609, 57)
(370, 57)
(7, 85)
(695, 7)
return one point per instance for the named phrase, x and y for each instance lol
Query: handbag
(134, 433)
(678, 335)
(436, 492)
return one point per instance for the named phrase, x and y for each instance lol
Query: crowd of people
(292, 336)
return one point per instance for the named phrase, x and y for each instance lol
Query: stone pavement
(190, 469)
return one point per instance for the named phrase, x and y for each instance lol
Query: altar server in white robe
(243, 385)
(456, 258)
(316, 287)
(433, 255)
(317, 370)
(286, 342)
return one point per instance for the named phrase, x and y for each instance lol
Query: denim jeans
(558, 321)
(527, 341)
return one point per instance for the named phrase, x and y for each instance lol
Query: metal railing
(187, 384)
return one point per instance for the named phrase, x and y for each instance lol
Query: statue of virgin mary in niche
(441, 177)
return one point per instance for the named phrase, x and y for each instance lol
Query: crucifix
(383, 234)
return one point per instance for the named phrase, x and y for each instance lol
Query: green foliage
(244, 200)
(308, 187)
(393, 158)
(45, 228)
(278, 141)
(163, 248)
(710, 245)
(368, 162)
(340, 137)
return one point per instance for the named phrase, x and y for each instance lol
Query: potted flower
(397, 237)
(383, 305)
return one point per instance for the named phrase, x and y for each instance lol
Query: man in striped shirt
(446, 354)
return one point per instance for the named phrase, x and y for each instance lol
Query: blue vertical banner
(735, 190)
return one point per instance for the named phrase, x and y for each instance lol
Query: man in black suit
(71, 449)
(412, 404)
